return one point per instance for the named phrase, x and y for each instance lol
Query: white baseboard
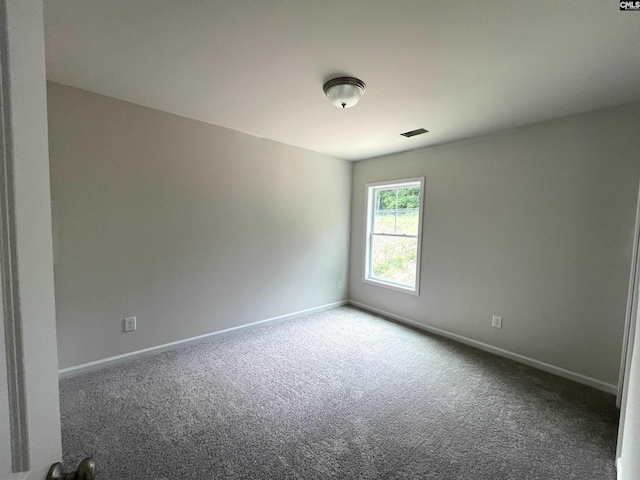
(146, 352)
(576, 377)
(106, 362)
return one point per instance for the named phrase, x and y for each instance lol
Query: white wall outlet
(339, 285)
(496, 321)
(129, 324)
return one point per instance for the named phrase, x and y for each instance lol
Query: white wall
(534, 224)
(190, 227)
(32, 210)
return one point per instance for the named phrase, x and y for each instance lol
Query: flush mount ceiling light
(344, 92)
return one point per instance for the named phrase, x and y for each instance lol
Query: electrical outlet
(496, 321)
(129, 324)
(339, 285)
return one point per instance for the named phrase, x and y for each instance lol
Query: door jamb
(13, 337)
(632, 307)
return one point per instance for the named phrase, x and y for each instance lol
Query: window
(393, 234)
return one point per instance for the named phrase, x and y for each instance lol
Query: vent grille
(413, 133)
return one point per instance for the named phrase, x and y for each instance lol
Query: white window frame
(370, 189)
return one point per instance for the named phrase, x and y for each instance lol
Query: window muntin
(392, 245)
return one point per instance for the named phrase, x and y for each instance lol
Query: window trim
(368, 212)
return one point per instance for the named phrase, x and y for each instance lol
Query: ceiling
(458, 68)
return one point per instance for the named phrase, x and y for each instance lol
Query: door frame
(632, 309)
(13, 363)
(29, 391)
(630, 326)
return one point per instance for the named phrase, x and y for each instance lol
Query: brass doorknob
(55, 472)
(86, 471)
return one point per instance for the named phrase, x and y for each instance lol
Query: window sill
(392, 286)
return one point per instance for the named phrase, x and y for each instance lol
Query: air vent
(413, 133)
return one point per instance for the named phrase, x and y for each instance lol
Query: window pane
(394, 259)
(384, 221)
(407, 213)
(396, 210)
(407, 221)
(384, 213)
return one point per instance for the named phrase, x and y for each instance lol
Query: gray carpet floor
(338, 394)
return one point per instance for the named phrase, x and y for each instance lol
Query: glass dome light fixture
(344, 92)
